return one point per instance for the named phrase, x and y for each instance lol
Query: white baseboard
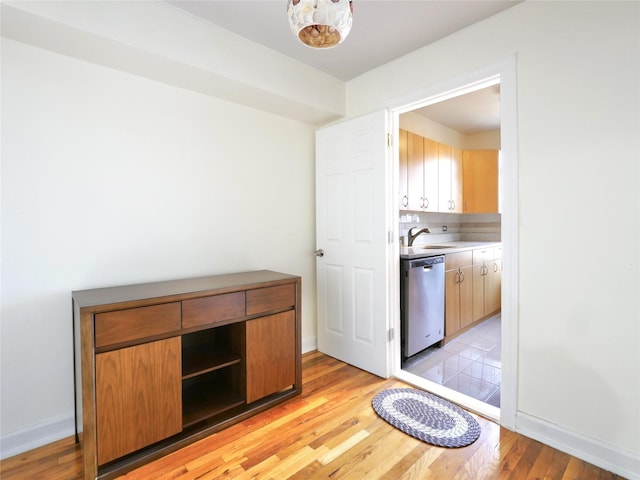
(37, 435)
(309, 344)
(608, 457)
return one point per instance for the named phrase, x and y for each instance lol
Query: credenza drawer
(136, 323)
(213, 309)
(270, 298)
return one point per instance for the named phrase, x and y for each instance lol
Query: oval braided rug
(427, 417)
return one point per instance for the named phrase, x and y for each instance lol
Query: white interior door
(352, 160)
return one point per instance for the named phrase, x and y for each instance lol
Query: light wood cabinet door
(415, 171)
(452, 302)
(493, 286)
(403, 170)
(456, 180)
(465, 286)
(271, 354)
(138, 397)
(458, 299)
(480, 181)
(487, 281)
(478, 291)
(450, 174)
(431, 179)
(444, 174)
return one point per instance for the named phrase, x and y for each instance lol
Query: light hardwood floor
(330, 431)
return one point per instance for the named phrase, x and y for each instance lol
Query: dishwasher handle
(427, 263)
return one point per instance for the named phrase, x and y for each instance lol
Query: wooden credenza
(160, 365)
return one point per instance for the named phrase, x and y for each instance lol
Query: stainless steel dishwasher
(422, 303)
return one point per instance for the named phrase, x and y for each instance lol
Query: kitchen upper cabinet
(431, 176)
(415, 171)
(480, 181)
(422, 173)
(403, 170)
(450, 179)
(435, 177)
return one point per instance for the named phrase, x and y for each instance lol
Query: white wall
(155, 40)
(578, 188)
(109, 178)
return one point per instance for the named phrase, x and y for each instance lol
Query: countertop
(419, 251)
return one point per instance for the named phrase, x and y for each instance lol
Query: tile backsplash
(451, 227)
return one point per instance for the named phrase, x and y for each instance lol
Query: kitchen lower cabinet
(486, 282)
(160, 365)
(472, 288)
(458, 292)
(493, 283)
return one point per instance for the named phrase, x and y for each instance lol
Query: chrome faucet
(412, 236)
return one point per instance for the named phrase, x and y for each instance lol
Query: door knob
(319, 252)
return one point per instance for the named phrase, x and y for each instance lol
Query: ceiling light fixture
(320, 23)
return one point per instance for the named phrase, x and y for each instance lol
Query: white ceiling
(470, 114)
(382, 31)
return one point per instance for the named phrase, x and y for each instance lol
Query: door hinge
(390, 334)
(390, 237)
(389, 139)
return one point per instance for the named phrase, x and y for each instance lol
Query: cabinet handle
(461, 274)
(495, 267)
(405, 201)
(457, 277)
(453, 204)
(421, 202)
(427, 204)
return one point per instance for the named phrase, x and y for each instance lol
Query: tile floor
(469, 364)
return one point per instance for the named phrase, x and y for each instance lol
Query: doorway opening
(475, 368)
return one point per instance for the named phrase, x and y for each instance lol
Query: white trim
(607, 457)
(43, 433)
(503, 72)
(509, 237)
(469, 403)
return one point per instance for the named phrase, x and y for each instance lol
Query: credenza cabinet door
(271, 354)
(138, 397)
